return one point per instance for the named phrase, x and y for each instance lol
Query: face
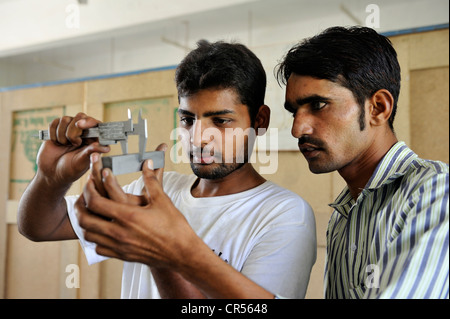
(214, 127)
(326, 123)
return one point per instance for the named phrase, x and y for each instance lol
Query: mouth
(201, 158)
(309, 150)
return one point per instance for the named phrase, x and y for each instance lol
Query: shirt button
(354, 247)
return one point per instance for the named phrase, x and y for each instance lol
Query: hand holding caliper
(113, 132)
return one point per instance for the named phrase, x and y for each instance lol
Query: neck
(358, 173)
(240, 180)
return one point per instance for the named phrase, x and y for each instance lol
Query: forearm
(172, 285)
(217, 279)
(42, 213)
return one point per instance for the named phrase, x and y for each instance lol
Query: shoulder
(430, 167)
(426, 193)
(288, 205)
(176, 181)
(427, 176)
(284, 195)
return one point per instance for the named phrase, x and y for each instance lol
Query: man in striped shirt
(388, 234)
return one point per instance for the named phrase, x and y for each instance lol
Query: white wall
(269, 27)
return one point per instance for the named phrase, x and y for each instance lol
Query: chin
(214, 171)
(321, 169)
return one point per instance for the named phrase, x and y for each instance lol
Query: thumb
(153, 187)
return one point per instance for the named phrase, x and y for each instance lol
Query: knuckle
(66, 120)
(82, 220)
(80, 115)
(92, 204)
(55, 122)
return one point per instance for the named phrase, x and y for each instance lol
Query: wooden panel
(25, 145)
(401, 123)
(5, 133)
(429, 50)
(430, 113)
(315, 286)
(32, 270)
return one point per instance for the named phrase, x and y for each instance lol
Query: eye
(221, 121)
(187, 121)
(317, 105)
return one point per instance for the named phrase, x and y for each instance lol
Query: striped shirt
(392, 242)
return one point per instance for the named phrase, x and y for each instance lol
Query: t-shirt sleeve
(282, 259)
(88, 247)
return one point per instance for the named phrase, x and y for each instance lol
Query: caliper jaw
(129, 163)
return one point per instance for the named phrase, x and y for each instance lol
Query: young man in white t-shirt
(225, 215)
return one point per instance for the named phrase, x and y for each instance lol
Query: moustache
(205, 151)
(311, 140)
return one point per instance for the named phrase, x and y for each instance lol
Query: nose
(196, 134)
(302, 125)
(200, 134)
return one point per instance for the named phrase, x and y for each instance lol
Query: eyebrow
(302, 101)
(206, 114)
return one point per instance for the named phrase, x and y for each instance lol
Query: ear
(380, 108)
(262, 119)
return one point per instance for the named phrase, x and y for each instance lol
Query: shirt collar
(394, 164)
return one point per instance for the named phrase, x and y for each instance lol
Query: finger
(96, 229)
(112, 187)
(61, 130)
(137, 200)
(99, 239)
(153, 187)
(96, 147)
(160, 171)
(86, 122)
(52, 130)
(96, 173)
(81, 158)
(80, 201)
(86, 219)
(73, 133)
(103, 206)
(118, 253)
(161, 147)
(107, 252)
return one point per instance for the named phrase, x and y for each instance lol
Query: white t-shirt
(267, 233)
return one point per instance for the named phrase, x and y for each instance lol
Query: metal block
(130, 163)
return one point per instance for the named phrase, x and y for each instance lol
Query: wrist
(196, 256)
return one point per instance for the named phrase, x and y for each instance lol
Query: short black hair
(223, 65)
(357, 58)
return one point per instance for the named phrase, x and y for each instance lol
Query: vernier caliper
(113, 132)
